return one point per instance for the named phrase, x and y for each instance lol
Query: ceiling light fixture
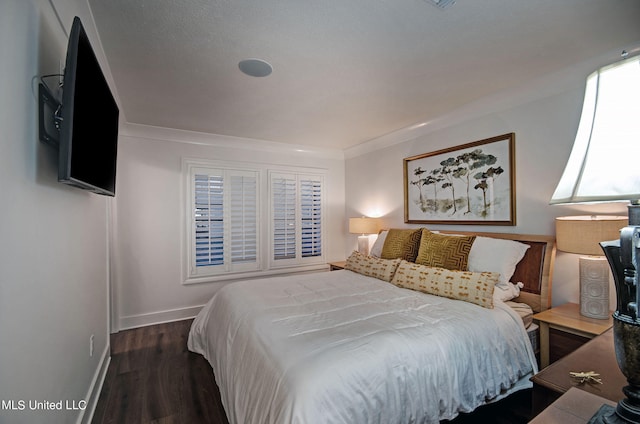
(255, 67)
(442, 4)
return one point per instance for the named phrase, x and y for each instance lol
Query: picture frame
(472, 184)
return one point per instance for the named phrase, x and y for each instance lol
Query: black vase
(626, 325)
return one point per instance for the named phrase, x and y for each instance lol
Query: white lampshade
(603, 165)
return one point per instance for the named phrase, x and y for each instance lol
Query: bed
(357, 346)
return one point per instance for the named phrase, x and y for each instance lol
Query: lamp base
(612, 415)
(606, 414)
(626, 339)
(363, 244)
(624, 257)
(594, 287)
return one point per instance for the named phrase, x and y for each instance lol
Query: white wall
(53, 238)
(147, 287)
(544, 118)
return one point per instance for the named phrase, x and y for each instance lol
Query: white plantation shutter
(284, 216)
(244, 219)
(296, 218)
(225, 204)
(225, 221)
(311, 216)
(208, 220)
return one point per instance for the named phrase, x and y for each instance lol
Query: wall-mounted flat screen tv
(89, 120)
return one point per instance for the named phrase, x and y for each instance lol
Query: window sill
(255, 274)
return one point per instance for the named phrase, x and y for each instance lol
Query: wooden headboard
(535, 270)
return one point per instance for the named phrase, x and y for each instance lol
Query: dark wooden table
(597, 355)
(574, 407)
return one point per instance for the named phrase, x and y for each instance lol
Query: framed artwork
(469, 184)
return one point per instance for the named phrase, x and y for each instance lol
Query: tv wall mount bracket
(49, 114)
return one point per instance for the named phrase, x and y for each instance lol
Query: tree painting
(470, 183)
(485, 182)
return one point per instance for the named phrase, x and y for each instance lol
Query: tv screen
(89, 127)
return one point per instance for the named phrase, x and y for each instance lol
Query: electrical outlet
(91, 339)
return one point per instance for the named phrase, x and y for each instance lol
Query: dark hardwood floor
(154, 379)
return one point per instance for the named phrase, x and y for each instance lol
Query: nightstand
(563, 330)
(336, 266)
(599, 356)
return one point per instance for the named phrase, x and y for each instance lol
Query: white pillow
(506, 291)
(496, 255)
(376, 250)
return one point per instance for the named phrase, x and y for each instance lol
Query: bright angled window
(252, 221)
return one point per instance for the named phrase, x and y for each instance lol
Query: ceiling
(344, 71)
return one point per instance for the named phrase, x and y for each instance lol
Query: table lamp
(604, 166)
(364, 226)
(582, 235)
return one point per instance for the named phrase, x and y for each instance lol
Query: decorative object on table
(364, 226)
(582, 235)
(586, 377)
(603, 167)
(472, 183)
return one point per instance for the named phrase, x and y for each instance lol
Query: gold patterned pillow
(442, 251)
(402, 244)
(382, 269)
(473, 287)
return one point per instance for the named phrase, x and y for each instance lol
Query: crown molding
(566, 79)
(153, 133)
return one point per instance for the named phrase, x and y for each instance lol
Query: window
(296, 201)
(208, 220)
(224, 220)
(225, 211)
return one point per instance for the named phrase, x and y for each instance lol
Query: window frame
(265, 265)
(299, 259)
(227, 266)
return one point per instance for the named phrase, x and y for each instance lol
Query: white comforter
(339, 347)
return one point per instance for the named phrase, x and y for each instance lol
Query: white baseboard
(143, 320)
(134, 321)
(86, 415)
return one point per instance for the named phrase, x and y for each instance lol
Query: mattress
(524, 311)
(534, 336)
(341, 347)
